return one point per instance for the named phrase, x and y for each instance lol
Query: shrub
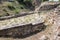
(11, 7)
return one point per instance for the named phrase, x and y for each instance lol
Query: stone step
(19, 21)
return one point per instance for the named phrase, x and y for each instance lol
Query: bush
(11, 7)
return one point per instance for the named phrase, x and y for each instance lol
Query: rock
(48, 5)
(57, 10)
(44, 37)
(36, 3)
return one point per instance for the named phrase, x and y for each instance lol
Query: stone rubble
(51, 19)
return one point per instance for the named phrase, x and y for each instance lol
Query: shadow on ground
(22, 31)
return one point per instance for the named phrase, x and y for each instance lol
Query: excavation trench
(22, 31)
